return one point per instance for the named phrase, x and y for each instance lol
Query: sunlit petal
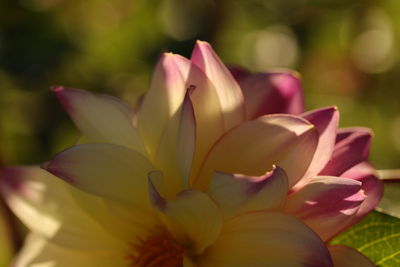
(37, 251)
(44, 204)
(229, 92)
(352, 147)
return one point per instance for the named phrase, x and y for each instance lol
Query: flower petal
(46, 207)
(37, 251)
(237, 193)
(343, 256)
(229, 92)
(101, 118)
(326, 204)
(105, 170)
(254, 146)
(266, 239)
(267, 93)
(326, 121)
(177, 148)
(184, 217)
(371, 185)
(162, 101)
(352, 147)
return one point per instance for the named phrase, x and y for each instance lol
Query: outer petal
(253, 147)
(326, 121)
(44, 205)
(343, 256)
(266, 239)
(352, 147)
(267, 93)
(230, 95)
(371, 186)
(326, 204)
(101, 118)
(37, 251)
(192, 217)
(105, 170)
(237, 194)
(162, 101)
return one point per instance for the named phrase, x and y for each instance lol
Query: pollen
(157, 250)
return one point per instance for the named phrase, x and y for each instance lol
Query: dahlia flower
(214, 167)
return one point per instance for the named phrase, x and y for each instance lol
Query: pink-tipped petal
(326, 204)
(326, 121)
(104, 170)
(254, 146)
(343, 256)
(101, 118)
(266, 239)
(371, 186)
(228, 90)
(236, 194)
(167, 91)
(192, 218)
(352, 147)
(267, 93)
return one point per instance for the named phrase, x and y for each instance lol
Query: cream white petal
(105, 170)
(46, 207)
(101, 118)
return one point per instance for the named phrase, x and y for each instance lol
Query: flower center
(157, 250)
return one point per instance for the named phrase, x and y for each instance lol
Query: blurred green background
(346, 51)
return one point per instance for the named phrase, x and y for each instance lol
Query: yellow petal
(192, 218)
(101, 118)
(39, 252)
(266, 239)
(253, 147)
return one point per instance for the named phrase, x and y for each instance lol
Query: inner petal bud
(158, 249)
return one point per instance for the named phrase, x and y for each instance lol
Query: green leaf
(377, 236)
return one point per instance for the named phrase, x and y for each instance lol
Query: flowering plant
(214, 167)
